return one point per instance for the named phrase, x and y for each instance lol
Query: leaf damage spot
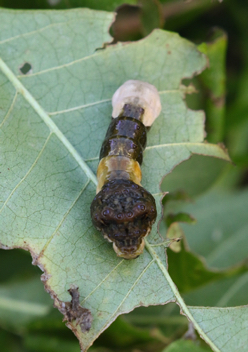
(26, 68)
(73, 311)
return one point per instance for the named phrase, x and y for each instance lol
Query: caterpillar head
(124, 212)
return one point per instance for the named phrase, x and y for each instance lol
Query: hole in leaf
(26, 68)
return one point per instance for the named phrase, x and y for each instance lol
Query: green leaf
(151, 15)
(220, 234)
(205, 170)
(188, 271)
(179, 217)
(16, 266)
(22, 302)
(121, 335)
(228, 336)
(227, 292)
(9, 342)
(214, 81)
(222, 225)
(165, 319)
(185, 346)
(47, 343)
(53, 121)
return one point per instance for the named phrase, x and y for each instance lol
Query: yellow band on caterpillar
(117, 167)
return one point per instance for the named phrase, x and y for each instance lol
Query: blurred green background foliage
(208, 270)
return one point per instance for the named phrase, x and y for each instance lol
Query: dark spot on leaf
(74, 312)
(26, 68)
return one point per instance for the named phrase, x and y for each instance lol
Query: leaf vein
(35, 31)
(130, 290)
(78, 107)
(62, 220)
(91, 159)
(9, 111)
(27, 173)
(58, 67)
(103, 280)
(99, 102)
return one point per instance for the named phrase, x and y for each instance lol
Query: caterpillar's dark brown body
(123, 210)
(126, 135)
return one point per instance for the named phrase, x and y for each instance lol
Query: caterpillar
(122, 209)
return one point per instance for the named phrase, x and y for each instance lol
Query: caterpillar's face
(124, 212)
(129, 251)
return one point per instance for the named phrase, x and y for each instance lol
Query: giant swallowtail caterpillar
(122, 209)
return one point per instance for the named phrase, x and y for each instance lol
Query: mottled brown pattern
(124, 212)
(73, 312)
(125, 136)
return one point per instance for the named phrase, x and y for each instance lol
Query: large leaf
(227, 327)
(53, 123)
(226, 292)
(222, 223)
(186, 346)
(22, 302)
(214, 81)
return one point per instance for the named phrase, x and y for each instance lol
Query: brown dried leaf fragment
(74, 312)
